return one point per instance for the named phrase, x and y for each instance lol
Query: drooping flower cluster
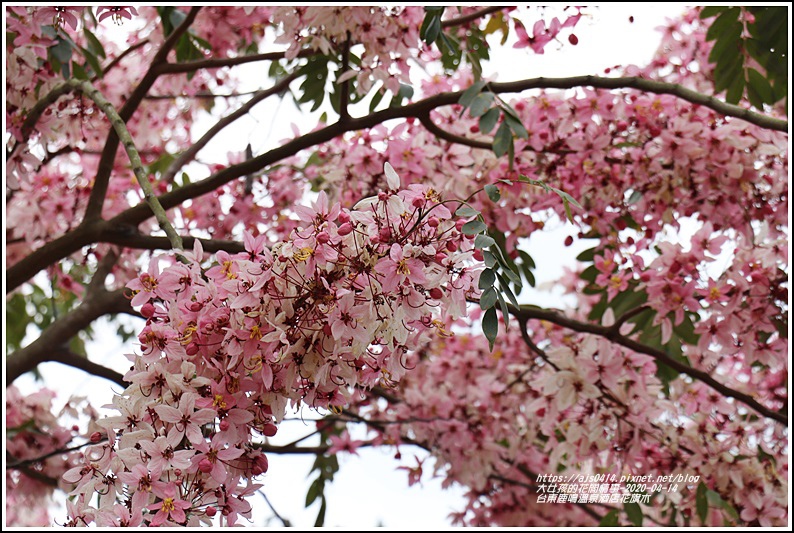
(334, 309)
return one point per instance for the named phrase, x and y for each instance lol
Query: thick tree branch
(105, 167)
(62, 330)
(465, 19)
(69, 358)
(431, 126)
(137, 240)
(525, 313)
(139, 213)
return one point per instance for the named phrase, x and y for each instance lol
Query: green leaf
(466, 212)
(79, 71)
(321, 514)
(488, 298)
(634, 513)
(315, 490)
(726, 19)
(469, 94)
(635, 197)
(483, 241)
(759, 92)
(735, 90)
(481, 103)
(489, 120)
(473, 227)
(505, 311)
(487, 279)
(506, 289)
(431, 28)
(93, 44)
(711, 11)
(490, 326)
(610, 519)
(502, 140)
(493, 192)
(587, 256)
(701, 503)
(517, 126)
(488, 258)
(406, 92)
(376, 99)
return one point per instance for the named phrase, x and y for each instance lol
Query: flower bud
(343, 217)
(478, 255)
(418, 202)
(432, 222)
(269, 430)
(148, 310)
(205, 466)
(260, 465)
(224, 425)
(192, 348)
(96, 436)
(211, 511)
(323, 237)
(345, 229)
(195, 306)
(436, 293)
(452, 246)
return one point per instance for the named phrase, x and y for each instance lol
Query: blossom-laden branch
(62, 247)
(120, 128)
(524, 313)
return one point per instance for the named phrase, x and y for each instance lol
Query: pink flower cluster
(334, 309)
(37, 439)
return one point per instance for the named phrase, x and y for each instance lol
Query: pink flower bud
(205, 466)
(196, 306)
(345, 229)
(192, 348)
(96, 436)
(211, 511)
(436, 293)
(260, 465)
(148, 310)
(418, 202)
(224, 425)
(478, 255)
(452, 246)
(440, 256)
(323, 237)
(343, 217)
(459, 224)
(433, 222)
(269, 430)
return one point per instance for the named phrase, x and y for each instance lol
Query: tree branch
(190, 66)
(139, 213)
(116, 60)
(431, 126)
(471, 16)
(526, 313)
(62, 330)
(69, 358)
(105, 166)
(188, 155)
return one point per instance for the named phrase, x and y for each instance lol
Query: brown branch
(28, 267)
(58, 334)
(140, 241)
(431, 126)
(188, 155)
(198, 95)
(190, 66)
(471, 16)
(526, 313)
(105, 167)
(116, 60)
(69, 358)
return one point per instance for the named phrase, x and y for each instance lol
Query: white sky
(368, 491)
